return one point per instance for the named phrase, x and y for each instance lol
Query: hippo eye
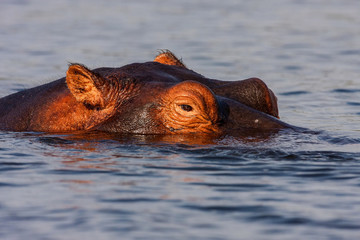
(186, 107)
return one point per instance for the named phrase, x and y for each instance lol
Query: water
(99, 186)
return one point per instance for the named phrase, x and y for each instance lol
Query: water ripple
(350, 52)
(130, 200)
(353, 103)
(344, 90)
(6, 184)
(294, 93)
(229, 209)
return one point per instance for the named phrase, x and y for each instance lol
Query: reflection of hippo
(160, 97)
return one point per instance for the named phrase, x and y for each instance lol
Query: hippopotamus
(158, 97)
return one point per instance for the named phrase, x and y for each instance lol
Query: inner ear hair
(168, 58)
(82, 83)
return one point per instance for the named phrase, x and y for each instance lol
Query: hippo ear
(168, 58)
(83, 83)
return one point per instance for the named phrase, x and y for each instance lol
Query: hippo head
(165, 97)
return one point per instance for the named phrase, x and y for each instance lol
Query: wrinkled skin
(159, 97)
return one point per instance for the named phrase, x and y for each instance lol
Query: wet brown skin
(159, 97)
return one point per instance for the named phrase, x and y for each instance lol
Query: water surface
(287, 185)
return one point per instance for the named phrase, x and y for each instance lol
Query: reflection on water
(249, 185)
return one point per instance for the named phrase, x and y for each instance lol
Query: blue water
(286, 185)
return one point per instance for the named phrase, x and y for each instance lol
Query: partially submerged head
(164, 97)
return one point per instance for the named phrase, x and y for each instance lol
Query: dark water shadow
(241, 138)
(71, 140)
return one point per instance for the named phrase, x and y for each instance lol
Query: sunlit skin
(159, 97)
